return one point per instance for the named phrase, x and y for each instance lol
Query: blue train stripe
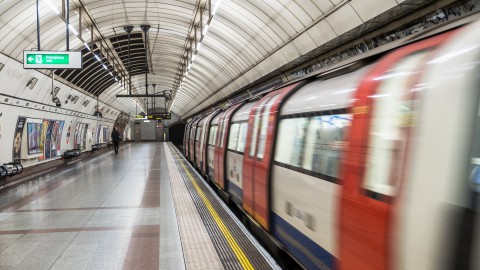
(235, 192)
(310, 254)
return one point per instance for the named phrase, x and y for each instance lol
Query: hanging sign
(52, 60)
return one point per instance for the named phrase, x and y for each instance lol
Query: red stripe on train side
(365, 223)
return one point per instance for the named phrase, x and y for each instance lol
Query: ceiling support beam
(143, 95)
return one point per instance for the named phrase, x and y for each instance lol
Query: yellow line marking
(226, 233)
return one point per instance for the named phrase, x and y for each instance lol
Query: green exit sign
(52, 60)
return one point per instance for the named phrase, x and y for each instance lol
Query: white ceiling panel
(246, 39)
(304, 43)
(372, 8)
(338, 20)
(321, 33)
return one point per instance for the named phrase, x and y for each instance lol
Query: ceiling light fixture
(191, 53)
(54, 9)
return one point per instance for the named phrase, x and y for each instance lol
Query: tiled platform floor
(109, 212)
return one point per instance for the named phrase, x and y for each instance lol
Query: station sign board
(159, 116)
(140, 117)
(52, 60)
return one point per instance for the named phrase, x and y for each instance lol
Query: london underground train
(371, 167)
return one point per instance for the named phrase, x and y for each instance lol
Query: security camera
(58, 104)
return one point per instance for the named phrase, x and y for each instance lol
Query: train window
(264, 127)
(199, 131)
(325, 143)
(213, 135)
(202, 138)
(192, 132)
(233, 140)
(242, 138)
(291, 140)
(256, 123)
(223, 131)
(392, 115)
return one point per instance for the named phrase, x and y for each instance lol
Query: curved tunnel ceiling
(203, 50)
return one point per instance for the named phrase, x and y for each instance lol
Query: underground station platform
(145, 208)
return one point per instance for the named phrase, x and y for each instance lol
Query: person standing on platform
(116, 138)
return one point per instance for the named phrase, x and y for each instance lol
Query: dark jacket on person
(116, 136)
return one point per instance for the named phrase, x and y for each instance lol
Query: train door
(198, 138)
(257, 159)
(191, 143)
(201, 152)
(137, 131)
(383, 115)
(212, 139)
(204, 159)
(185, 138)
(220, 150)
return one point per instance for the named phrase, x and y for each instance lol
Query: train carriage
(186, 138)
(311, 137)
(437, 221)
(257, 158)
(235, 150)
(212, 144)
(198, 141)
(192, 139)
(383, 115)
(221, 148)
(203, 165)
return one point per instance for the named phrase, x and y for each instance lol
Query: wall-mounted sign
(52, 60)
(140, 117)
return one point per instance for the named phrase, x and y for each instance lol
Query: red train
(370, 167)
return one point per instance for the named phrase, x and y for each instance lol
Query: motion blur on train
(373, 166)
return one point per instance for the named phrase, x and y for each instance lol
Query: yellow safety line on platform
(226, 233)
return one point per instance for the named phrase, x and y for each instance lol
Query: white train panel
(234, 175)
(308, 204)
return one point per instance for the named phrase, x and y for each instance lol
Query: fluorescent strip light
(216, 7)
(205, 30)
(86, 46)
(98, 58)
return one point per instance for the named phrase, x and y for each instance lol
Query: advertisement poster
(43, 135)
(105, 135)
(84, 136)
(80, 136)
(48, 140)
(59, 137)
(53, 141)
(33, 140)
(17, 139)
(99, 129)
(76, 136)
(68, 134)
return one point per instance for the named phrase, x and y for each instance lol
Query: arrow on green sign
(51, 59)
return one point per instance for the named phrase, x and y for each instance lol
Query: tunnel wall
(176, 132)
(18, 102)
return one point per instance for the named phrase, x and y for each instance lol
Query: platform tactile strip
(199, 253)
(229, 257)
